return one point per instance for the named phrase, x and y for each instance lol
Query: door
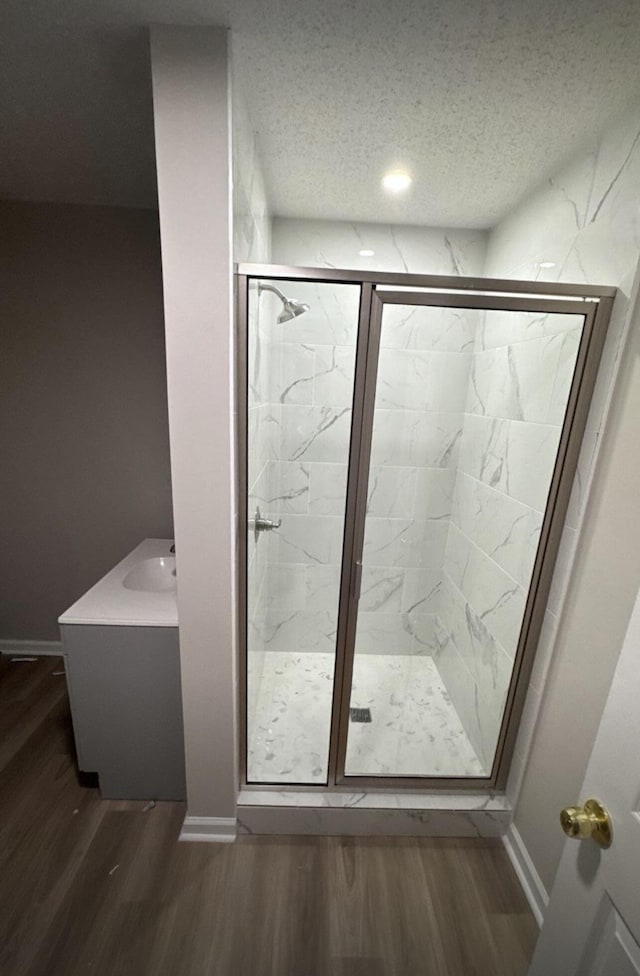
(470, 406)
(592, 923)
(408, 462)
(300, 370)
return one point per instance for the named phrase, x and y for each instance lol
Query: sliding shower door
(301, 363)
(409, 462)
(466, 410)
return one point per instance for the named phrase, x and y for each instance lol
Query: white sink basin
(152, 575)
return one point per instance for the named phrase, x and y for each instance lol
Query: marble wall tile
(422, 627)
(462, 689)
(425, 381)
(483, 448)
(514, 457)
(383, 633)
(287, 589)
(504, 528)
(381, 590)
(434, 492)
(258, 483)
(392, 492)
(497, 327)
(287, 489)
(306, 539)
(322, 587)
(477, 680)
(494, 676)
(327, 488)
(496, 598)
(529, 463)
(411, 543)
(394, 633)
(421, 591)
(334, 375)
(265, 432)
(414, 439)
(336, 244)
(526, 381)
(425, 328)
(299, 630)
(251, 220)
(465, 630)
(309, 433)
(292, 374)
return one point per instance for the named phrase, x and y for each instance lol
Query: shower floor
(415, 729)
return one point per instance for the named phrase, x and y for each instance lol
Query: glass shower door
(301, 343)
(465, 418)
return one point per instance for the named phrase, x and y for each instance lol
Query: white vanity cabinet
(122, 658)
(124, 689)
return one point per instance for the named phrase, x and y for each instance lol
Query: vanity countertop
(110, 602)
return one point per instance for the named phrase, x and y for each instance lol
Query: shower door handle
(356, 580)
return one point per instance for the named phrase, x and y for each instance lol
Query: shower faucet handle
(264, 524)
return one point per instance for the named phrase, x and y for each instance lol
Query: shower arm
(276, 291)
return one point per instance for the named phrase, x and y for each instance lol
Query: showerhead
(290, 307)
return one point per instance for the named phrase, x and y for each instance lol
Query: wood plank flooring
(99, 887)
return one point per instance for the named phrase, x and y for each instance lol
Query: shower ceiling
(479, 100)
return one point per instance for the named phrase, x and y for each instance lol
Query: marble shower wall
(521, 372)
(307, 428)
(251, 218)
(252, 242)
(421, 390)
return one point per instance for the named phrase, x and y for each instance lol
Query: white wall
(585, 220)
(192, 128)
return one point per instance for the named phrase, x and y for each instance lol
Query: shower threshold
(382, 813)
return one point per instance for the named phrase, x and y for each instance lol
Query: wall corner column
(193, 141)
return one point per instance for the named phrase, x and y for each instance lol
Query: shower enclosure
(410, 448)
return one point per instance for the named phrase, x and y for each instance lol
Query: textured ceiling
(479, 100)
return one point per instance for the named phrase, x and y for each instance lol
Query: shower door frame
(594, 304)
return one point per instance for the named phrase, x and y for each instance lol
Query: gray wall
(84, 446)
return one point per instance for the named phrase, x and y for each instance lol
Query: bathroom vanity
(121, 651)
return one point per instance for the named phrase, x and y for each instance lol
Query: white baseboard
(535, 891)
(31, 648)
(211, 830)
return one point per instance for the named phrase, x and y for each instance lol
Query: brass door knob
(591, 820)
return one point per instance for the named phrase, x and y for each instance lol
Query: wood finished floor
(99, 887)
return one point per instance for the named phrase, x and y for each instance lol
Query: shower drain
(360, 714)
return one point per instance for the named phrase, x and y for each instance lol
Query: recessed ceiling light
(547, 264)
(366, 253)
(396, 181)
